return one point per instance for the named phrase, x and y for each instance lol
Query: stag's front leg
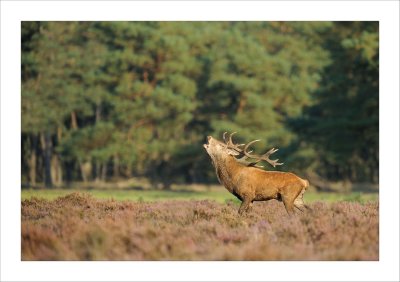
(244, 206)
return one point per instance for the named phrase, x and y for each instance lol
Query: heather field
(79, 226)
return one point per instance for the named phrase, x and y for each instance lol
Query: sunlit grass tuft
(218, 195)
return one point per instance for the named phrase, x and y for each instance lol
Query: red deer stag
(249, 183)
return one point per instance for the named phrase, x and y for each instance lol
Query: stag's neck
(227, 168)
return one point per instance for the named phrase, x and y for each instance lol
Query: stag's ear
(232, 152)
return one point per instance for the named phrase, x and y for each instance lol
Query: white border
(12, 269)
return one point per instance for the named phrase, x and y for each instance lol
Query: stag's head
(220, 150)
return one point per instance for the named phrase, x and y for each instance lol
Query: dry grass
(80, 227)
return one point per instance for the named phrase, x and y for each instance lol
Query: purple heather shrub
(80, 227)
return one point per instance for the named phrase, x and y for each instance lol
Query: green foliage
(139, 98)
(342, 123)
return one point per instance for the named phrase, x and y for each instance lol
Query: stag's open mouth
(207, 144)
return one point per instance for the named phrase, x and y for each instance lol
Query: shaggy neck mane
(226, 168)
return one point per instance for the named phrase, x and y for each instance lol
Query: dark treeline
(110, 100)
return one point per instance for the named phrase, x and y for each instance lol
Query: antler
(236, 147)
(264, 157)
(243, 161)
(230, 143)
(245, 154)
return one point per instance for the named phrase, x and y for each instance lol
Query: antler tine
(230, 138)
(229, 143)
(247, 146)
(270, 152)
(264, 157)
(272, 162)
(243, 161)
(224, 136)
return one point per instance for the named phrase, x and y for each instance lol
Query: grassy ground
(194, 223)
(82, 227)
(219, 195)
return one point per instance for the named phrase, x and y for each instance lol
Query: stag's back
(275, 178)
(270, 183)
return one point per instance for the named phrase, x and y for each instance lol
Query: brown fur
(254, 184)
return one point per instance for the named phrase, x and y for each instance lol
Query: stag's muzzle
(208, 142)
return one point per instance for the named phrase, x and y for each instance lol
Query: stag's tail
(306, 184)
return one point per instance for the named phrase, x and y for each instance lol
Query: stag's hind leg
(299, 202)
(300, 205)
(289, 199)
(289, 206)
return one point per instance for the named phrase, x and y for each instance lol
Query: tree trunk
(97, 164)
(128, 170)
(97, 171)
(47, 153)
(104, 171)
(32, 169)
(86, 170)
(83, 174)
(74, 126)
(242, 103)
(98, 112)
(116, 167)
(69, 168)
(375, 167)
(74, 120)
(56, 162)
(32, 161)
(56, 170)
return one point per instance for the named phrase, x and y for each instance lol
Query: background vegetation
(103, 101)
(192, 192)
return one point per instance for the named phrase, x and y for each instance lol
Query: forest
(103, 101)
